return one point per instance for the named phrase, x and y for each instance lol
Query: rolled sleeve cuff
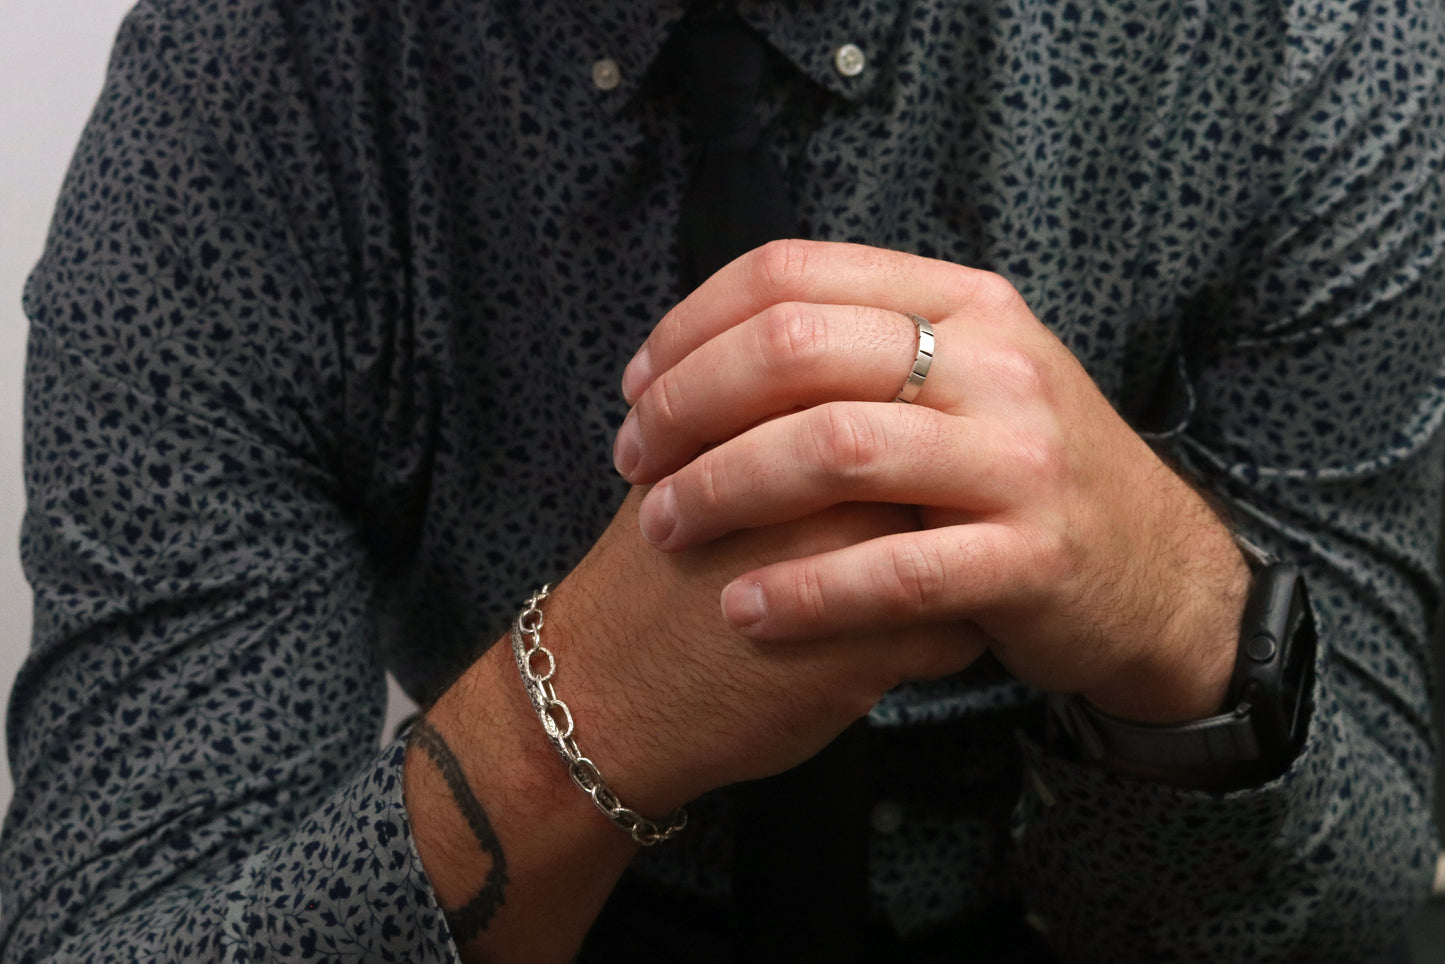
(347, 885)
(1331, 855)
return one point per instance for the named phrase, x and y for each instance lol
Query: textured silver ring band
(921, 361)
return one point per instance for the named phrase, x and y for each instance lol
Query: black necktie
(736, 199)
(800, 873)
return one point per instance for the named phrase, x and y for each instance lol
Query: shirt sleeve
(194, 736)
(1316, 384)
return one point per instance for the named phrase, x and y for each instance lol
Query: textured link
(557, 721)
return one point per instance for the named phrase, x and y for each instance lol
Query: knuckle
(917, 577)
(703, 483)
(781, 265)
(993, 291)
(1011, 370)
(1051, 555)
(669, 339)
(665, 399)
(806, 589)
(848, 444)
(793, 334)
(1038, 459)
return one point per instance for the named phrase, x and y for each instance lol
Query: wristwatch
(1256, 737)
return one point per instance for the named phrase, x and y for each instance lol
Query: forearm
(519, 858)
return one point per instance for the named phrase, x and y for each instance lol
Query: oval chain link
(526, 646)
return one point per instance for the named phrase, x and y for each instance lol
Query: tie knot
(723, 65)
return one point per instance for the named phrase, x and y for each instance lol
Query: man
(324, 364)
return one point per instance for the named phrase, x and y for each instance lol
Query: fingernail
(658, 515)
(637, 375)
(744, 604)
(627, 450)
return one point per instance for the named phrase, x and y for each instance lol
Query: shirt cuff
(347, 884)
(1120, 868)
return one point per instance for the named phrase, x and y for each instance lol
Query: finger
(930, 576)
(820, 273)
(790, 356)
(793, 466)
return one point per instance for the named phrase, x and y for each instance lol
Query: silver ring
(921, 361)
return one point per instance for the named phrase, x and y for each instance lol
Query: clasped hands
(1045, 528)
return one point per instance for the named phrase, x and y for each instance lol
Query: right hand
(671, 701)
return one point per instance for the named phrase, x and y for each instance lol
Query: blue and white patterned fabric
(323, 373)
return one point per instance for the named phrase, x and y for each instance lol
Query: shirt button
(886, 817)
(605, 74)
(849, 61)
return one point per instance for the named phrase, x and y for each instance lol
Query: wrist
(1255, 736)
(488, 723)
(538, 667)
(1183, 674)
(504, 837)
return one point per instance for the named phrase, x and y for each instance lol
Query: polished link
(527, 644)
(607, 801)
(585, 775)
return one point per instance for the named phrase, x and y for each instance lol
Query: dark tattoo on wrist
(470, 920)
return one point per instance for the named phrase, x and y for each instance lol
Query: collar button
(605, 74)
(849, 60)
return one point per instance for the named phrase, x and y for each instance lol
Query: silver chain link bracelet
(557, 721)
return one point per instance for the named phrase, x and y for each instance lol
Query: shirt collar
(809, 33)
(631, 33)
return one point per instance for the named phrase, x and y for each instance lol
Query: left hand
(766, 396)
